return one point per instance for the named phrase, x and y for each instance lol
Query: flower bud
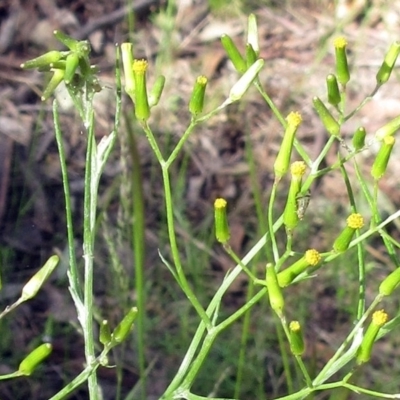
(274, 291)
(382, 158)
(105, 333)
(333, 90)
(197, 100)
(251, 56)
(389, 284)
(142, 109)
(43, 61)
(379, 318)
(222, 232)
(127, 63)
(34, 358)
(36, 282)
(241, 86)
(56, 79)
(311, 258)
(354, 221)
(233, 53)
(330, 124)
(124, 327)
(282, 161)
(66, 40)
(72, 63)
(156, 91)
(252, 34)
(389, 129)
(359, 138)
(386, 68)
(342, 68)
(297, 346)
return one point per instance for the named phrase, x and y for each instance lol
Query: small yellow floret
(379, 318)
(312, 256)
(202, 80)
(389, 140)
(298, 168)
(355, 221)
(294, 119)
(340, 42)
(220, 203)
(294, 326)
(139, 66)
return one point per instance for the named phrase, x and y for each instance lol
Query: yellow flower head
(298, 168)
(220, 203)
(355, 221)
(294, 326)
(294, 119)
(379, 318)
(140, 67)
(340, 42)
(312, 257)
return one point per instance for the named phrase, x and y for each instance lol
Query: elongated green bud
(251, 55)
(354, 221)
(330, 123)
(105, 332)
(124, 327)
(382, 158)
(311, 258)
(127, 63)
(297, 346)
(252, 34)
(156, 91)
(66, 40)
(241, 86)
(333, 90)
(142, 109)
(274, 291)
(290, 214)
(342, 67)
(56, 79)
(71, 65)
(222, 232)
(233, 53)
(389, 284)
(197, 100)
(359, 138)
(282, 161)
(379, 318)
(43, 61)
(386, 68)
(389, 129)
(34, 358)
(31, 288)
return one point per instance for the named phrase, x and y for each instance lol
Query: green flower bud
(290, 215)
(386, 68)
(382, 158)
(251, 56)
(31, 288)
(342, 68)
(389, 129)
(156, 91)
(354, 221)
(333, 90)
(142, 109)
(330, 124)
(34, 358)
(43, 61)
(222, 232)
(124, 327)
(105, 333)
(233, 53)
(282, 161)
(66, 40)
(297, 346)
(311, 258)
(127, 63)
(71, 66)
(274, 291)
(390, 283)
(241, 86)
(379, 318)
(252, 34)
(56, 79)
(197, 100)
(359, 138)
